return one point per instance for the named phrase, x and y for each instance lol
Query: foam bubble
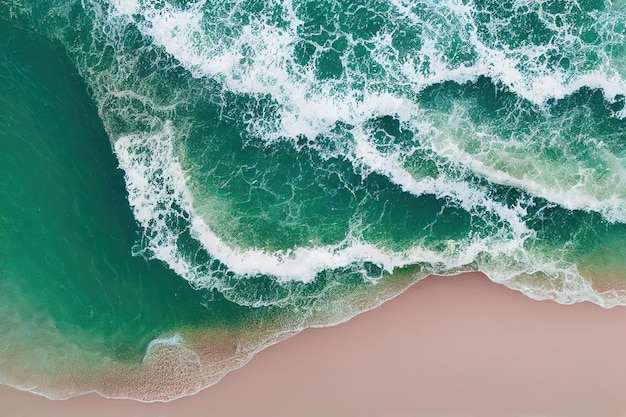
(175, 340)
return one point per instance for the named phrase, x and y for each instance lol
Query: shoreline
(447, 346)
(188, 360)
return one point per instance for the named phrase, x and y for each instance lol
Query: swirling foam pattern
(285, 156)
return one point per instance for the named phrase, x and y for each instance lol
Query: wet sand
(449, 346)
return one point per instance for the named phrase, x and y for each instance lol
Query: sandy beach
(449, 346)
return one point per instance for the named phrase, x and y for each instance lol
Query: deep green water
(174, 164)
(67, 228)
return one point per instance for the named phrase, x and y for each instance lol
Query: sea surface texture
(183, 183)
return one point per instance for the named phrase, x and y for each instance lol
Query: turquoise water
(172, 166)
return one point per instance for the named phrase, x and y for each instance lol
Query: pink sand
(458, 346)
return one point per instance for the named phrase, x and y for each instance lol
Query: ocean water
(183, 183)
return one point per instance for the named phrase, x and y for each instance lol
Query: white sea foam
(258, 59)
(522, 69)
(606, 198)
(548, 279)
(309, 107)
(468, 197)
(594, 182)
(175, 340)
(503, 258)
(156, 186)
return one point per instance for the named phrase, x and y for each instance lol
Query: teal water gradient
(67, 229)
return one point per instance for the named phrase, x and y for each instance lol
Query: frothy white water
(470, 198)
(592, 182)
(541, 278)
(258, 58)
(585, 194)
(173, 340)
(157, 191)
(523, 68)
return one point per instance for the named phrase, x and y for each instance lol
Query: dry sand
(455, 346)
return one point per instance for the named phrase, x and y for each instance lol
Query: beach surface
(448, 346)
